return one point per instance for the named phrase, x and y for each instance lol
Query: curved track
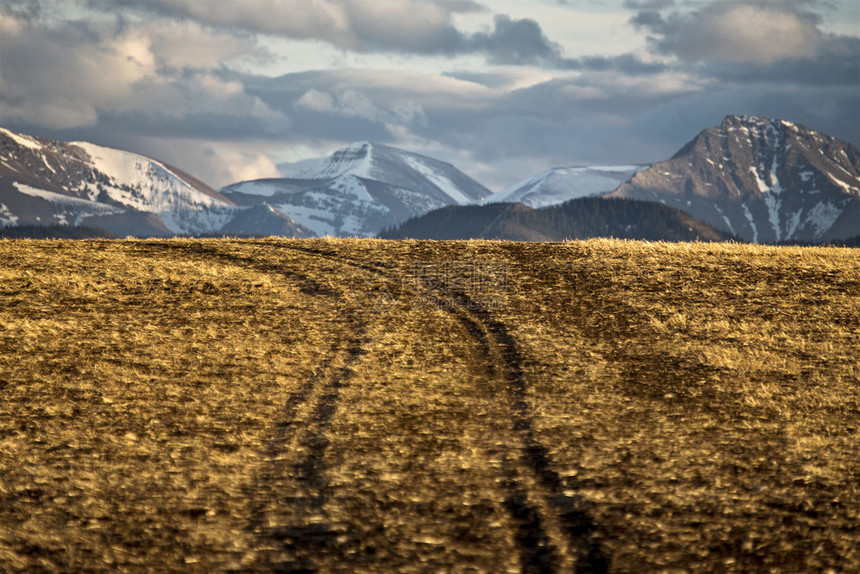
(288, 497)
(553, 530)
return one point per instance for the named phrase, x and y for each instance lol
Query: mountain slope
(263, 221)
(766, 180)
(557, 185)
(47, 182)
(360, 189)
(577, 219)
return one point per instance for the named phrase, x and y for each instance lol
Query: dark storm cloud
(523, 42)
(591, 118)
(226, 125)
(831, 110)
(562, 121)
(651, 20)
(516, 42)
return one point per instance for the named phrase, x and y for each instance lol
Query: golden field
(371, 406)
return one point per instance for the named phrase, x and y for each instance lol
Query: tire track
(295, 527)
(579, 527)
(535, 546)
(288, 495)
(538, 553)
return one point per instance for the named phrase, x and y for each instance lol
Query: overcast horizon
(228, 91)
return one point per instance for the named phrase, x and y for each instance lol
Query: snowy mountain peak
(393, 166)
(22, 140)
(361, 188)
(355, 159)
(735, 122)
(557, 185)
(364, 147)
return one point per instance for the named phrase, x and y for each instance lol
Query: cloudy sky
(503, 89)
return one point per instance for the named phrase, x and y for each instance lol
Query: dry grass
(365, 406)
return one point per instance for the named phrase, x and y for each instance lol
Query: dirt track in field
(292, 492)
(575, 540)
(418, 407)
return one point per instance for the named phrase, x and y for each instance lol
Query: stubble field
(368, 406)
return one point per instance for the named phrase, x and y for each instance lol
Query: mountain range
(755, 179)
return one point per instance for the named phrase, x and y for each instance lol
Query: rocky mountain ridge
(765, 180)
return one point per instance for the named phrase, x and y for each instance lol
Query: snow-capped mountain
(557, 185)
(360, 189)
(46, 182)
(764, 180)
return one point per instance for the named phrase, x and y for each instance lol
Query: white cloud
(408, 112)
(187, 44)
(68, 75)
(741, 31)
(355, 103)
(316, 101)
(756, 33)
(217, 163)
(233, 166)
(396, 114)
(504, 79)
(350, 102)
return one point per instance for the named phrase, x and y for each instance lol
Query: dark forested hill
(577, 219)
(53, 232)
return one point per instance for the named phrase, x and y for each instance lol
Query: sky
(231, 91)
